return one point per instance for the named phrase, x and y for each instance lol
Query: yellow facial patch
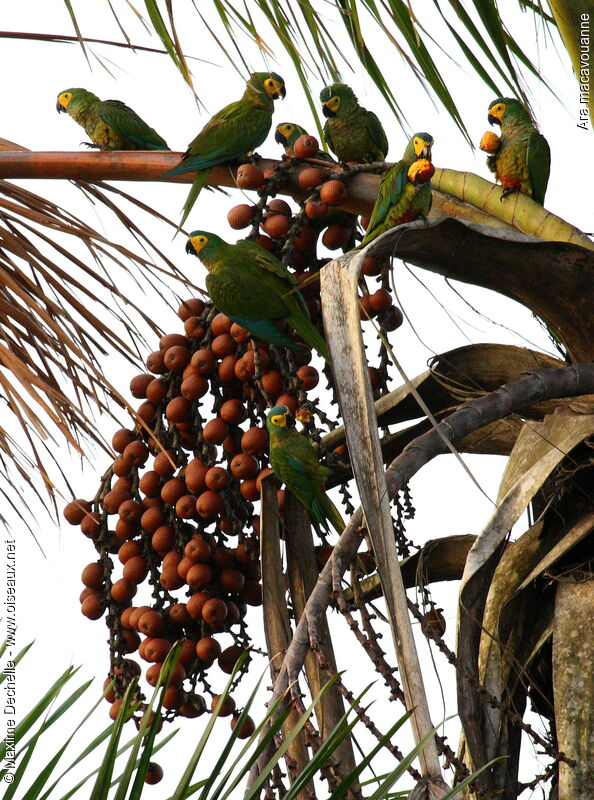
(420, 145)
(273, 88)
(333, 104)
(64, 99)
(497, 111)
(198, 242)
(286, 129)
(280, 420)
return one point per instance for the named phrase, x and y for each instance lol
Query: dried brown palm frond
(63, 312)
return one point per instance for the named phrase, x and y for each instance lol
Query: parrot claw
(93, 146)
(506, 193)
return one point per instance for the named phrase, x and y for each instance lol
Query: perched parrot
(110, 124)
(250, 285)
(287, 134)
(405, 191)
(523, 160)
(295, 462)
(351, 132)
(233, 132)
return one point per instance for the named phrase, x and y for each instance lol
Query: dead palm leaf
(61, 316)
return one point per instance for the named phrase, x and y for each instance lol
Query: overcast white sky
(446, 501)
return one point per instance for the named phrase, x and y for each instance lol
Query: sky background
(446, 500)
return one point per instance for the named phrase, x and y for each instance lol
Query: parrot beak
(327, 112)
(60, 107)
(279, 91)
(427, 151)
(493, 120)
(190, 248)
(278, 137)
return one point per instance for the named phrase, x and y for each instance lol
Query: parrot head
(199, 240)
(279, 417)
(69, 95)
(287, 133)
(422, 144)
(418, 147)
(270, 82)
(507, 108)
(337, 97)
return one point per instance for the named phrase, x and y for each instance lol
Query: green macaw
(522, 162)
(401, 198)
(110, 124)
(351, 132)
(295, 462)
(287, 134)
(250, 285)
(233, 132)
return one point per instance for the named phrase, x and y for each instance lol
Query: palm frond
(478, 29)
(61, 38)
(297, 27)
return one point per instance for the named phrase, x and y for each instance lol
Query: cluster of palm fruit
(175, 508)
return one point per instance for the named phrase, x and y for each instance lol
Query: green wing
(270, 263)
(234, 131)
(236, 293)
(267, 261)
(296, 464)
(128, 124)
(306, 476)
(538, 161)
(389, 194)
(376, 132)
(423, 199)
(328, 137)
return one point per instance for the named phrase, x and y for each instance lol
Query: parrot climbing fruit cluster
(255, 290)
(405, 190)
(295, 462)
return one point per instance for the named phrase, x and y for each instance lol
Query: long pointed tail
(197, 186)
(310, 334)
(332, 514)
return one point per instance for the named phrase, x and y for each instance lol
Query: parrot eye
(280, 420)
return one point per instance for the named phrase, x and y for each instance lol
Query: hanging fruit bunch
(174, 516)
